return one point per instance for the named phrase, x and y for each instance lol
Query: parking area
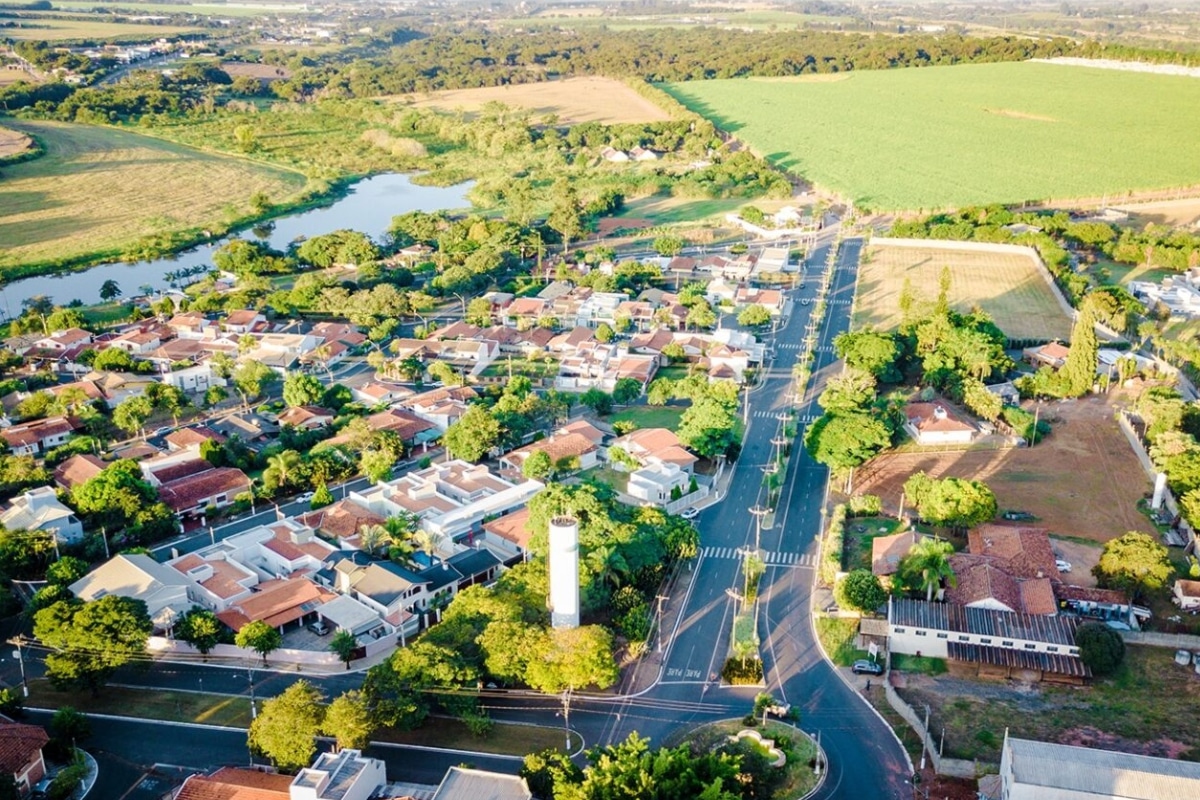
(305, 639)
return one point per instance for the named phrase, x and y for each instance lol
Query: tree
(343, 645)
(926, 565)
(282, 468)
(110, 290)
(473, 436)
(1133, 563)
(701, 315)
(259, 637)
(597, 400)
(66, 571)
(373, 537)
(376, 465)
(286, 729)
(950, 502)
(429, 542)
(566, 216)
(170, 399)
(252, 379)
(201, 629)
(538, 465)
(872, 351)
(754, 315)
(853, 390)
(479, 312)
(321, 497)
(626, 391)
(842, 440)
(445, 374)
(1078, 374)
(63, 318)
(574, 658)
(131, 414)
(861, 590)
(349, 721)
(1100, 647)
(707, 428)
(300, 389)
(668, 245)
(91, 640)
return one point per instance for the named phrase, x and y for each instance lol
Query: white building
(164, 590)
(347, 775)
(655, 482)
(39, 510)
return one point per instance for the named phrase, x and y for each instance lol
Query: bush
(865, 505)
(831, 548)
(66, 782)
(1100, 647)
(742, 673)
(860, 590)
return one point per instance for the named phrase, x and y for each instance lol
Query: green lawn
(860, 533)
(666, 209)
(923, 664)
(837, 637)
(970, 134)
(504, 738)
(650, 416)
(207, 709)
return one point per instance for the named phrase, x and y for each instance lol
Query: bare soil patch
(13, 143)
(1011, 114)
(610, 225)
(573, 100)
(1176, 213)
(1082, 481)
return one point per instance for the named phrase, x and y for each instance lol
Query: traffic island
(743, 666)
(781, 761)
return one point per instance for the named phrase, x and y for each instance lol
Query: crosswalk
(767, 413)
(788, 345)
(771, 559)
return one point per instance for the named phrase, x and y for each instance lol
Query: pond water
(369, 208)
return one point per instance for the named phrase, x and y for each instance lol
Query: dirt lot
(1082, 481)
(573, 100)
(13, 143)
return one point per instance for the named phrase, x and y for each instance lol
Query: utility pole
(759, 512)
(17, 654)
(104, 538)
(661, 599)
(566, 701)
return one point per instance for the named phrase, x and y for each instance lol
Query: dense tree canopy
(950, 502)
(90, 640)
(286, 728)
(1134, 563)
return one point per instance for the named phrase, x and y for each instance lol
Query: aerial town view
(599, 400)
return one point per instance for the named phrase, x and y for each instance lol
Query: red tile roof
(276, 603)
(342, 519)
(512, 527)
(185, 437)
(19, 744)
(186, 492)
(234, 783)
(77, 470)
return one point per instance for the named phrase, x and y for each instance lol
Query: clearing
(54, 29)
(98, 190)
(650, 416)
(1044, 480)
(573, 101)
(939, 137)
(1009, 286)
(13, 143)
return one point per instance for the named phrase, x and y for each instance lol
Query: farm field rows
(574, 100)
(972, 134)
(99, 189)
(1007, 286)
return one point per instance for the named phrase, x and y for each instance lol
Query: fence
(1173, 641)
(283, 656)
(954, 767)
(986, 247)
(1143, 457)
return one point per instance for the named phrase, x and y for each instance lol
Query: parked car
(865, 667)
(163, 431)
(306, 497)
(1062, 564)
(1018, 516)
(320, 627)
(690, 513)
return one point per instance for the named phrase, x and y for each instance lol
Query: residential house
(190, 325)
(508, 536)
(394, 592)
(218, 581)
(575, 447)
(196, 379)
(641, 154)
(995, 643)
(935, 424)
(39, 510)
(1006, 568)
(21, 754)
(1053, 355)
(613, 155)
(244, 321)
(236, 783)
(165, 591)
(140, 341)
(342, 521)
(340, 332)
(193, 495)
(773, 260)
(1031, 770)
(888, 551)
(306, 418)
(721, 292)
(344, 613)
(464, 783)
(1007, 392)
(442, 407)
(374, 393)
(278, 603)
(38, 436)
(524, 312)
(77, 470)
(411, 429)
(723, 362)
(191, 438)
(60, 342)
(658, 483)
(1186, 594)
(682, 268)
(652, 343)
(770, 299)
(344, 775)
(118, 387)
(253, 429)
(645, 445)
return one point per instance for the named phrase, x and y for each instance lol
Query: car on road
(690, 513)
(865, 667)
(163, 431)
(306, 497)
(1062, 564)
(1018, 516)
(320, 627)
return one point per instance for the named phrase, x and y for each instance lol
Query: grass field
(650, 416)
(952, 136)
(97, 190)
(574, 100)
(213, 9)
(1009, 287)
(51, 29)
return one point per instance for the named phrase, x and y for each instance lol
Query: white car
(690, 513)
(306, 497)
(1062, 564)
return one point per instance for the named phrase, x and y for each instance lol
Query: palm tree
(608, 565)
(284, 465)
(428, 542)
(376, 360)
(322, 353)
(927, 565)
(373, 537)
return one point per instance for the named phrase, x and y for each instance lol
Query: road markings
(773, 558)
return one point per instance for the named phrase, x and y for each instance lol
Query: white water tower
(564, 572)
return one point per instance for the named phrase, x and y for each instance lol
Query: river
(368, 207)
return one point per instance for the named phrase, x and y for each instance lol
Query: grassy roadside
(234, 712)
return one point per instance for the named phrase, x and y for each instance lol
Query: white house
(655, 482)
(931, 424)
(165, 591)
(39, 510)
(345, 775)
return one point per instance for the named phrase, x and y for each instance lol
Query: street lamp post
(17, 654)
(660, 598)
(759, 512)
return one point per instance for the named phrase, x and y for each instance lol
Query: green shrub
(831, 549)
(1100, 647)
(865, 505)
(739, 672)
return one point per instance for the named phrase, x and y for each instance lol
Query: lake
(369, 208)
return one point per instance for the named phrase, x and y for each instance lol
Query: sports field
(1007, 286)
(97, 190)
(978, 133)
(573, 100)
